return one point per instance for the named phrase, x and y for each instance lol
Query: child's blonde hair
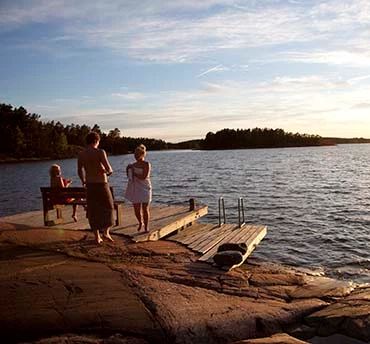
(54, 170)
(140, 150)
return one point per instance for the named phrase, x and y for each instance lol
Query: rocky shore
(58, 286)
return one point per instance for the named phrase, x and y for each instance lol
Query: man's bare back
(93, 166)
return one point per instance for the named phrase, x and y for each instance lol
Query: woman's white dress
(138, 190)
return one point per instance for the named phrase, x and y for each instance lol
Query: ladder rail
(241, 215)
(221, 212)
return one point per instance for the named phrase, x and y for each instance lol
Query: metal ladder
(222, 214)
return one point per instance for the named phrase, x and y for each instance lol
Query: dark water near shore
(315, 201)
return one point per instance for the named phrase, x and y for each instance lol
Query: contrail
(213, 69)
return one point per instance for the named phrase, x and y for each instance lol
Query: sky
(176, 70)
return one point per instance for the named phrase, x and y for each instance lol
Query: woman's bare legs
(146, 214)
(137, 209)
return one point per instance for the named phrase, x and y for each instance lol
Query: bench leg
(57, 220)
(46, 218)
(119, 215)
(59, 214)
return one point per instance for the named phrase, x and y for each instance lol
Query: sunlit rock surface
(55, 282)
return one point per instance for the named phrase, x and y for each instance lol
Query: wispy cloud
(153, 31)
(347, 58)
(129, 95)
(149, 32)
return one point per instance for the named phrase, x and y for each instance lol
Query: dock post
(192, 204)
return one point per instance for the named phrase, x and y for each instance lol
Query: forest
(258, 138)
(25, 137)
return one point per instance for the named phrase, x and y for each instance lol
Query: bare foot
(74, 217)
(99, 240)
(139, 228)
(107, 236)
(146, 230)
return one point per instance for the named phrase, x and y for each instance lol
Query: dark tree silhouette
(24, 136)
(257, 138)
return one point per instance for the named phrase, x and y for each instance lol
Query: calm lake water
(315, 201)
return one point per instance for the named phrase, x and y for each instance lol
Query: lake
(315, 201)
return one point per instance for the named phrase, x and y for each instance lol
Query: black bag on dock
(228, 258)
(242, 247)
(230, 254)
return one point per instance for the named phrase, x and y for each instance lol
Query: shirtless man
(93, 169)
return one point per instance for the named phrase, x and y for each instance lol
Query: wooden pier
(206, 239)
(176, 223)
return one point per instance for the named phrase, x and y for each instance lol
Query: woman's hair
(54, 170)
(92, 137)
(140, 150)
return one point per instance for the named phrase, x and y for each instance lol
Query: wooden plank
(180, 222)
(210, 230)
(165, 213)
(163, 220)
(243, 232)
(189, 234)
(164, 217)
(249, 234)
(129, 226)
(215, 232)
(193, 237)
(204, 237)
(214, 240)
(183, 233)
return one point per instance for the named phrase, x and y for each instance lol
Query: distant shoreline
(10, 160)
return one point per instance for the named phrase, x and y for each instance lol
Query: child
(56, 181)
(139, 187)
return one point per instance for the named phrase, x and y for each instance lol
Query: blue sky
(175, 70)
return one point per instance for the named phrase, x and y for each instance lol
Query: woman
(139, 187)
(57, 181)
(93, 169)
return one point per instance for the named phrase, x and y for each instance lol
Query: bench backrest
(70, 192)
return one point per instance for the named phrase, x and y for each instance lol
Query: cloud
(211, 88)
(338, 58)
(133, 96)
(357, 79)
(161, 31)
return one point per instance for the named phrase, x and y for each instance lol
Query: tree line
(24, 136)
(258, 138)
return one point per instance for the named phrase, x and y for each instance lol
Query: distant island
(26, 137)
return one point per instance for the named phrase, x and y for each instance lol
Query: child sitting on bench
(57, 181)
